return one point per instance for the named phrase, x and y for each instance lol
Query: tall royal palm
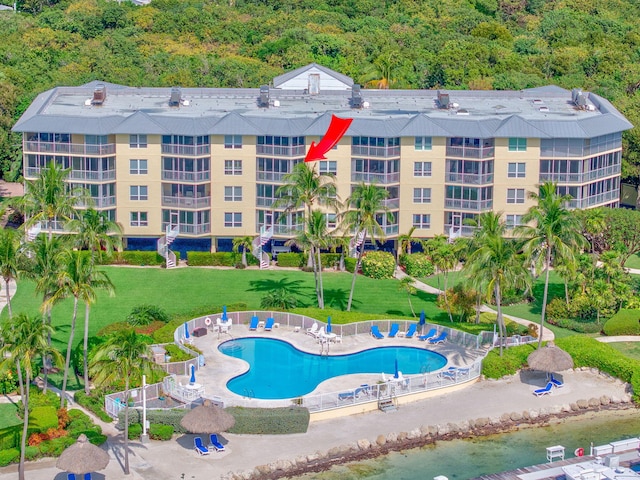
(9, 260)
(365, 205)
(553, 231)
(78, 279)
(95, 232)
(24, 339)
(124, 354)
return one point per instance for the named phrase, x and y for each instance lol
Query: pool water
(278, 370)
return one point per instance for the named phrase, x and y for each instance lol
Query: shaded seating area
(375, 332)
(439, 339)
(214, 443)
(199, 446)
(543, 391)
(430, 334)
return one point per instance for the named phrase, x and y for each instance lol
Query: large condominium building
(209, 160)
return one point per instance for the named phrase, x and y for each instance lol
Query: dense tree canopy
(481, 44)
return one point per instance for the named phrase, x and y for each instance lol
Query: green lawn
(633, 261)
(630, 349)
(8, 416)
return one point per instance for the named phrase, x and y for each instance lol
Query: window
(232, 194)
(137, 141)
(233, 167)
(517, 144)
(138, 192)
(516, 170)
(422, 220)
(422, 169)
(421, 195)
(331, 220)
(423, 143)
(328, 166)
(139, 219)
(515, 195)
(233, 219)
(233, 141)
(138, 167)
(513, 221)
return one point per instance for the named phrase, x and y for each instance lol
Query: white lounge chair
(313, 331)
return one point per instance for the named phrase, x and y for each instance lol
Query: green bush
(269, 421)
(163, 417)
(82, 423)
(31, 453)
(176, 354)
(625, 322)
(94, 402)
(55, 446)
(135, 431)
(8, 456)
(42, 418)
(350, 264)
(216, 259)
(142, 258)
(577, 326)
(512, 360)
(330, 260)
(145, 314)
(291, 260)
(417, 265)
(10, 437)
(157, 431)
(378, 264)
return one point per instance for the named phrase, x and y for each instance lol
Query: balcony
(392, 203)
(271, 176)
(69, 148)
(381, 178)
(92, 175)
(470, 152)
(474, 205)
(182, 176)
(186, 202)
(470, 178)
(280, 151)
(465, 230)
(264, 201)
(282, 229)
(97, 202)
(593, 200)
(390, 230)
(190, 229)
(581, 177)
(382, 152)
(190, 150)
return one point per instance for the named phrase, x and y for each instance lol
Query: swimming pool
(278, 370)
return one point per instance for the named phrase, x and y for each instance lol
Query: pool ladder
(248, 393)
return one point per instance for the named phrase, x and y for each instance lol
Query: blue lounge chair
(375, 331)
(200, 448)
(268, 326)
(430, 334)
(350, 395)
(254, 323)
(71, 476)
(87, 476)
(412, 330)
(215, 443)
(543, 391)
(439, 339)
(556, 383)
(363, 389)
(394, 330)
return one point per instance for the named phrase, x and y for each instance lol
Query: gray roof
(280, 79)
(544, 112)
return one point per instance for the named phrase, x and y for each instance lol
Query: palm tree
(406, 285)
(94, 231)
(124, 354)
(555, 233)
(445, 258)
(24, 339)
(404, 243)
(9, 260)
(366, 203)
(244, 244)
(78, 279)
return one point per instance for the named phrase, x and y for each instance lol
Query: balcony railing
(471, 152)
(368, 151)
(381, 178)
(98, 202)
(182, 176)
(581, 177)
(190, 229)
(390, 230)
(92, 175)
(391, 203)
(265, 201)
(186, 202)
(283, 229)
(475, 205)
(594, 200)
(191, 150)
(464, 230)
(294, 151)
(70, 148)
(271, 176)
(470, 178)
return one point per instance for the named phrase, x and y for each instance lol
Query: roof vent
(537, 101)
(578, 98)
(462, 111)
(176, 97)
(356, 96)
(544, 109)
(443, 100)
(99, 94)
(263, 101)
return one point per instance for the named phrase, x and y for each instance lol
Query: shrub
(350, 264)
(378, 264)
(94, 402)
(625, 322)
(330, 260)
(56, 446)
(63, 418)
(269, 421)
(135, 431)
(157, 431)
(113, 328)
(139, 257)
(8, 382)
(291, 260)
(176, 354)
(31, 452)
(512, 360)
(577, 326)
(9, 456)
(280, 299)
(42, 418)
(145, 314)
(164, 417)
(417, 265)
(216, 259)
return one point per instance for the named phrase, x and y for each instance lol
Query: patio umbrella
(550, 359)
(397, 374)
(83, 457)
(192, 380)
(423, 320)
(329, 324)
(186, 330)
(207, 418)
(224, 313)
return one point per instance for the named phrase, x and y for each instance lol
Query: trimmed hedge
(8, 456)
(135, 431)
(161, 417)
(141, 257)
(625, 322)
(512, 360)
(42, 419)
(269, 421)
(94, 402)
(291, 259)
(378, 264)
(330, 260)
(417, 265)
(157, 431)
(350, 264)
(208, 259)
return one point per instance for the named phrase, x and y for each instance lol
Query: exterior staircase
(388, 402)
(163, 245)
(33, 232)
(355, 243)
(258, 243)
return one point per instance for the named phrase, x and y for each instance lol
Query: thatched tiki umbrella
(83, 457)
(207, 418)
(550, 359)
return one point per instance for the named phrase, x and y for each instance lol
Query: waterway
(466, 459)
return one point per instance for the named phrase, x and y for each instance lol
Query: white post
(144, 437)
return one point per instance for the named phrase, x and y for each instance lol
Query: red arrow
(336, 130)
